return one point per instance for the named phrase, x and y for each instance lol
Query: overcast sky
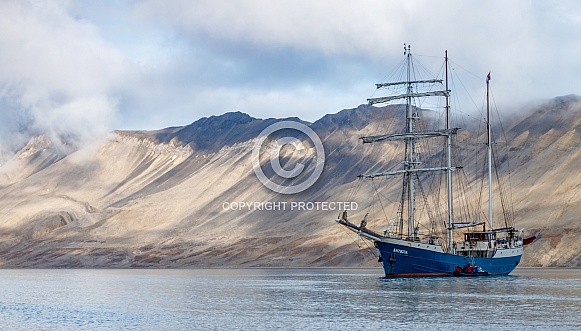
(82, 68)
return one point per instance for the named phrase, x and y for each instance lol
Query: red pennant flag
(488, 77)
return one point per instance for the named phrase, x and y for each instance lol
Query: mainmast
(489, 146)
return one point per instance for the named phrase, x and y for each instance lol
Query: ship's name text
(400, 251)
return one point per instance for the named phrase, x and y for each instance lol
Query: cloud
(57, 75)
(152, 64)
(293, 44)
(329, 27)
(367, 29)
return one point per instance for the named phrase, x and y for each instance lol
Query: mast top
(407, 49)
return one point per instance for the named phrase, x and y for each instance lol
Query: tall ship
(418, 241)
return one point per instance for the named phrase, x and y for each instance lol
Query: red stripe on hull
(433, 274)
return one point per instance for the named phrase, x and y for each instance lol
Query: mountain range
(188, 196)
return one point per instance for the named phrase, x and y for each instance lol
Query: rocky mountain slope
(177, 197)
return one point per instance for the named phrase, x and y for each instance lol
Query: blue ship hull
(401, 260)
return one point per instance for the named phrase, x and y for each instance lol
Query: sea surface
(288, 299)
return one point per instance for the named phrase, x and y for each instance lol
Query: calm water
(293, 299)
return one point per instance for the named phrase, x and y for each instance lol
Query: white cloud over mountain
(79, 69)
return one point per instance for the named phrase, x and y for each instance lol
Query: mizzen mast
(489, 147)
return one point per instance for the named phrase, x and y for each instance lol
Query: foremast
(411, 161)
(449, 166)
